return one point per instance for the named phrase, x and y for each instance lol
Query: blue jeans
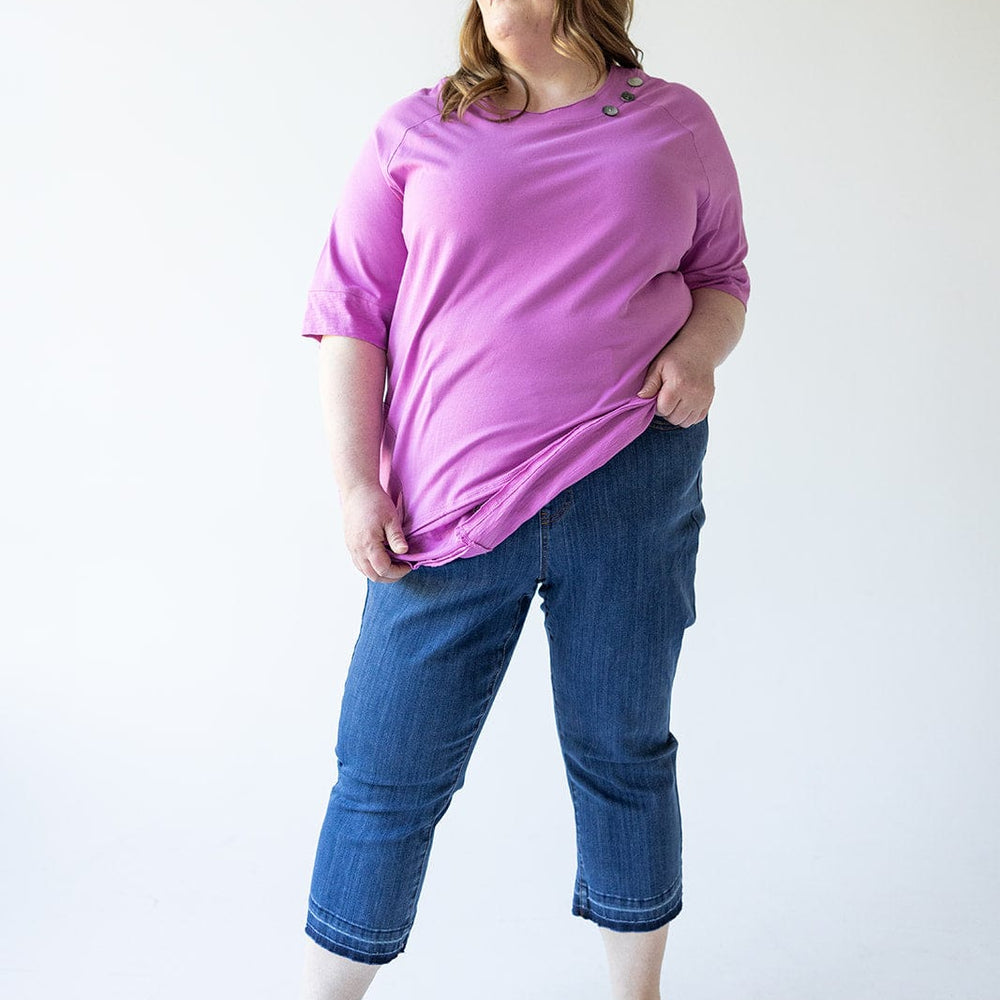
(613, 557)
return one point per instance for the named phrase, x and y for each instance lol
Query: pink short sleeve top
(521, 276)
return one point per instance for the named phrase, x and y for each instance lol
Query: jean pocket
(662, 424)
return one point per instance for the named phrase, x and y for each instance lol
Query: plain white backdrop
(179, 608)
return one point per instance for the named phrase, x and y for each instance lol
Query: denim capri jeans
(613, 559)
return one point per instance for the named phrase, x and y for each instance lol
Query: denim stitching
(581, 890)
(336, 943)
(317, 911)
(663, 897)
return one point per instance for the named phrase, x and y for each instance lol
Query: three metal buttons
(633, 81)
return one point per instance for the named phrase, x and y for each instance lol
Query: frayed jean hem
(321, 929)
(608, 911)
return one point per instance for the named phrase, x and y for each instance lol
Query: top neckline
(585, 107)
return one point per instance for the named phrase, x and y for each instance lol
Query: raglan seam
(708, 176)
(392, 155)
(694, 139)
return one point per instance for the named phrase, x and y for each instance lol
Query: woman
(544, 252)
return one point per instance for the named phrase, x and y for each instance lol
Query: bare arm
(714, 327)
(352, 386)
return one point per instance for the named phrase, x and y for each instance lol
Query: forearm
(714, 327)
(352, 386)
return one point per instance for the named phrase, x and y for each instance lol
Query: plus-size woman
(534, 269)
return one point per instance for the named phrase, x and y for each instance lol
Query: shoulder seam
(694, 139)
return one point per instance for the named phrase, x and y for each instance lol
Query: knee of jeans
(621, 747)
(408, 801)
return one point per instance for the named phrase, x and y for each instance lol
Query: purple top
(521, 277)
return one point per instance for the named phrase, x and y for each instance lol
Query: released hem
(346, 951)
(340, 936)
(616, 917)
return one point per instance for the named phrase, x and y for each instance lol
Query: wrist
(349, 486)
(694, 351)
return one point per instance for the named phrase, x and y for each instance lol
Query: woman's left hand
(683, 380)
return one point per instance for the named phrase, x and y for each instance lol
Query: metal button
(627, 95)
(635, 81)
(610, 110)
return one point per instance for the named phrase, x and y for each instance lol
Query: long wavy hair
(593, 31)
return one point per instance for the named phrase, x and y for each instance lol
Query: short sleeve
(356, 281)
(719, 246)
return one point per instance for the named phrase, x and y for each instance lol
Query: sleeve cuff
(738, 287)
(344, 314)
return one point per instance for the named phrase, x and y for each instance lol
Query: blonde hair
(593, 31)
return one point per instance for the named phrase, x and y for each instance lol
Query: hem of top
(488, 520)
(491, 523)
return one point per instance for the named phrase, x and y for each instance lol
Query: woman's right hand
(370, 521)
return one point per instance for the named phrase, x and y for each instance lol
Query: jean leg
(618, 594)
(432, 650)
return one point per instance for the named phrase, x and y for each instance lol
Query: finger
(394, 535)
(668, 409)
(396, 571)
(384, 566)
(378, 559)
(364, 567)
(651, 385)
(689, 419)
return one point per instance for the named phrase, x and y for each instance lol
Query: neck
(553, 82)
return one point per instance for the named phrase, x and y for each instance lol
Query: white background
(179, 608)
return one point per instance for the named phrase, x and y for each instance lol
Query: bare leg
(328, 976)
(634, 962)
